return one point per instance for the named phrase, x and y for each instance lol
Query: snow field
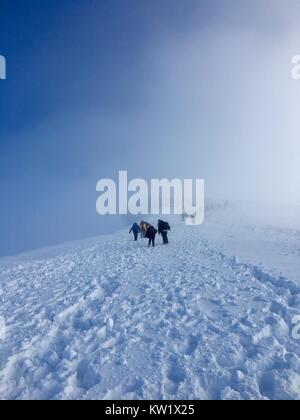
(116, 320)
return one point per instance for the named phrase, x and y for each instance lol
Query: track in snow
(118, 320)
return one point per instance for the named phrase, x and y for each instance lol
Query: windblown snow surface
(208, 317)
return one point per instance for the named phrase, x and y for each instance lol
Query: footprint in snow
(189, 345)
(86, 375)
(174, 371)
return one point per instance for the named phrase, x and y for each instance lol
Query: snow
(208, 317)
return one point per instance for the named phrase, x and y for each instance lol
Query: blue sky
(170, 88)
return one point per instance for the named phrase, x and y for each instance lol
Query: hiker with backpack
(151, 234)
(144, 226)
(163, 229)
(135, 230)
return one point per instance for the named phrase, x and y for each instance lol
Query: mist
(175, 91)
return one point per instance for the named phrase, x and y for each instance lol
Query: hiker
(135, 230)
(151, 234)
(163, 229)
(144, 226)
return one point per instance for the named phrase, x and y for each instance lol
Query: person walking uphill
(151, 234)
(135, 230)
(163, 229)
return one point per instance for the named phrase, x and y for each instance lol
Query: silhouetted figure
(151, 234)
(163, 229)
(135, 230)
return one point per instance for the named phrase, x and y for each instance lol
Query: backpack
(163, 226)
(151, 232)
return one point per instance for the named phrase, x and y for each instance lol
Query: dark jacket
(163, 227)
(151, 232)
(135, 229)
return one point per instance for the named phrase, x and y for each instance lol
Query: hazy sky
(175, 88)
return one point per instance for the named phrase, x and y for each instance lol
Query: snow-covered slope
(110, 318)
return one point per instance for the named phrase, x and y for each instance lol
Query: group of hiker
(148, 231)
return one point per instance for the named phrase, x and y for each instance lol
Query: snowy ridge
(117, 320)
